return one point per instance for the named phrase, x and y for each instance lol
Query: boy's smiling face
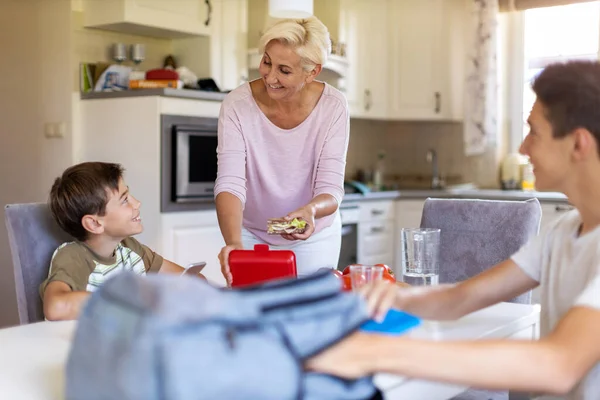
(122, 218)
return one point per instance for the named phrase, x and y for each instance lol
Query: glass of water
(420, 256)
(362, 274)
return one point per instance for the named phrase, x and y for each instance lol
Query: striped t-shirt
(78, 266)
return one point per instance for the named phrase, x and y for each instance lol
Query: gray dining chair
(33, 236)
(475, 235)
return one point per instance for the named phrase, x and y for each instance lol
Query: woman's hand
(306, 213)
(224, 260)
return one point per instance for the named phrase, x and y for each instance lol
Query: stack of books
(155, 79)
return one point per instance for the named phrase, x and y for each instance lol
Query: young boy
(563, 146)
(92, 203)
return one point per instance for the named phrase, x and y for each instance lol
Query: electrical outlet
(49, 129)
(61, 130)
(53, 130)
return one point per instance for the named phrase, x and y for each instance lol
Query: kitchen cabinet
(376, 233)
(192, 237)
(406, 58)
(425, 43)
(551, 212)
(364, 28)
(157, 18)
(229, 43)
(135, 123)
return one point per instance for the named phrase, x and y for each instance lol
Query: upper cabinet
(406, 58)
(364, 28)
(157, 18)
(229, 43)
(427, 56)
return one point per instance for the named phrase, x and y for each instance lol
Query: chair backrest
(477, 234)
(33, 236)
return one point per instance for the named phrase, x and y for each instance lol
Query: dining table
(33, 356)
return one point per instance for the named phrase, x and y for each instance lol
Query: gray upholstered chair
(475, 235)
(33, 236)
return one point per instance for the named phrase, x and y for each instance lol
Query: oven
(189, 159)
(349, 250)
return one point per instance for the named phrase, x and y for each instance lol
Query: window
(555, 34)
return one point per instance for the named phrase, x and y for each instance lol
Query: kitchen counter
(486, 194)
(166, 92)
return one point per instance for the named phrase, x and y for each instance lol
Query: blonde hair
(309, 37)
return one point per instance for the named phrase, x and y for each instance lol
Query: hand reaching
(224, 260)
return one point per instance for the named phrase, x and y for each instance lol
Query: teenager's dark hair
(570, 93)
(81, 190)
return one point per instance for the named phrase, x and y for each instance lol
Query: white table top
(32, 357)
(495, 322)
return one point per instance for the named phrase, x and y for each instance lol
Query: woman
(282, 149)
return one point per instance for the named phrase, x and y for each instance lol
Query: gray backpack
(178, 338)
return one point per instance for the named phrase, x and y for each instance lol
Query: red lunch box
(251, 267)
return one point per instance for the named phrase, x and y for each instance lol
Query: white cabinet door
(415, 55)
(229, 43)
(158, 18)
(364, 29)
(190, 237)
(408, 213)
(551, 212)
(423, 60)
(376, 233)
(203, 243)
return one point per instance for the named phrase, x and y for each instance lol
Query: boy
(92, 203)
(563, 146)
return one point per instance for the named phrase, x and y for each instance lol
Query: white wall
(35, 87)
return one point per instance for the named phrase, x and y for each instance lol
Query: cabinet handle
(438, 102)
(377, 229)
(563, 208)
(380, 212)
(209, 14)
(368, 102)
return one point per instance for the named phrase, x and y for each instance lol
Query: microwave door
(196, 164)
(182, 169)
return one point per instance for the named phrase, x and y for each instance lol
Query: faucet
(436, 180)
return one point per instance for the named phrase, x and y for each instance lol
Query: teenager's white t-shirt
(567, 266)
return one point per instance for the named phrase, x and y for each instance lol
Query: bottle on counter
(379, 171)
(511, 171)
(528, 180)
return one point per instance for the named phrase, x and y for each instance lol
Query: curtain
(480, 120)
(519, 5)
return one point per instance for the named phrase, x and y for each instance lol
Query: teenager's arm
(554, 364)
(446, 302)
(62, 303)
(499, 283)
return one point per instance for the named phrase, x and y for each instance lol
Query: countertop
(487, 194)
(166, 92)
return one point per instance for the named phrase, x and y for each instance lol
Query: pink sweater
(275, 171)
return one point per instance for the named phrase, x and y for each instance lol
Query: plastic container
(252, 267)
(528, 182)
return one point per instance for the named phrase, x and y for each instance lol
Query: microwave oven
(189, 157)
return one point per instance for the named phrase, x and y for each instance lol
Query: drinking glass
(362, 274)
(420, 256)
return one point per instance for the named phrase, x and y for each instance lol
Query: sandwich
(279, 226)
